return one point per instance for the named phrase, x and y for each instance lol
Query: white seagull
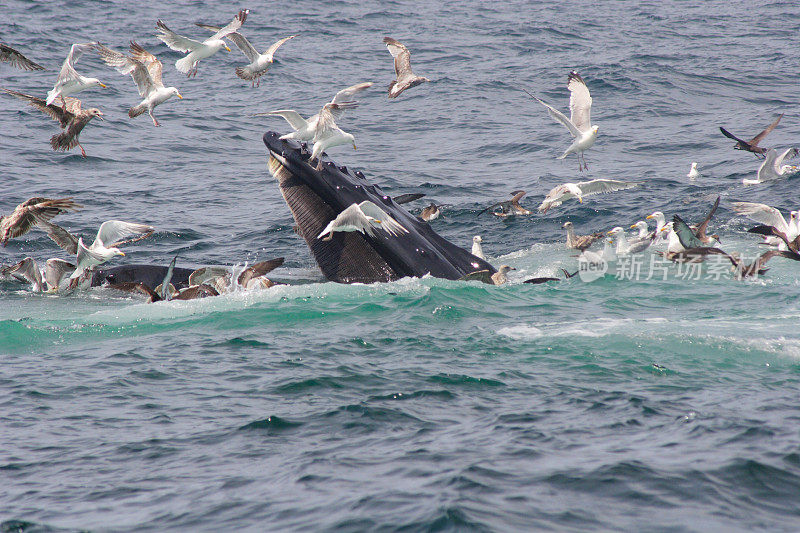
(693, 172)
(477, 249)
(146, 72)
(363, 217)
(770, 216)
(198, 50)
(773, 168)
(658, 216)
(69, 81)
(327, 134)
(305, 128)
(259, 63)
(579, 122)
(565, 191)
(104, 247)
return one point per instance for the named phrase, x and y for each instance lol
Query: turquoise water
(422, 404)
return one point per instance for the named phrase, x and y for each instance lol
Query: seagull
(304, 128)
(71, 117)
(26, 271)
(259, 63)
(624, 247)
(56, 270)
(405, 77)
(255, 276)
(693, 172)
(327, 134)
(104, 247)
(485, 276)
(69, 81)
(773, 168)
(146, 72)
(772, 218)
(752, 144)
(699, 237)
(563, 192)
(579, 122)
(363, 217)
(15, 59)
(430, 213)
(477, 250)
(28, 213)
(579, 242)
(661, 221)
(509, 207)
(198, 50)
(644, 231)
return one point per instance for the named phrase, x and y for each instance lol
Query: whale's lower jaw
(316, 197)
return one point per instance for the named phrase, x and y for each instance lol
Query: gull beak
(649, 216)
(377, 221)
(354, 146)
(665, 228)
(121, 253)
(633, 226)
(101, 85)
(179, 96)
(226, 48)
(100, 116)
(580, 200)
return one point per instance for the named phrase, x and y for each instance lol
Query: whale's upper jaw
(316, 197)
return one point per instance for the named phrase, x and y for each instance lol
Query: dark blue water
(422, 404)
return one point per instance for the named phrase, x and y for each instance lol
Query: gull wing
(68, 72)
(154, 66)
(202, 275)
(232, 26)
(763, 214)
(401, 55)
(703, 226)
(389, 224)
(767, 171)
(786, 154)
(270, 53)
(16, 59)
(238, 39)
(292, 117)
(55, 269)
(484, 276)
(580, 102)
(25, 270)
(685, 234)
(126, 65)
(53, 111)
(176, 42)
(259, 269)
(517, 196)
(112, 232)
(352, 216)
(557, 115)
(601, 186)
(758, 138)
(326, 123)
(346, 95)
(63, 238)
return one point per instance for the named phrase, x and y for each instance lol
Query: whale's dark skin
(150, 275)
(316, 197)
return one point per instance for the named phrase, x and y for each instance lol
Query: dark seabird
(15, 59)
(509, 207)
(71, 117)
(486, 276)
(255, 275)
(431, 212)
(695, 237)
(28, 213)
(196, 291)
(580, 242)
(146, 72)
(408, 197)
(136, 288)
(402, 68)
(752, 144)
(259, 63)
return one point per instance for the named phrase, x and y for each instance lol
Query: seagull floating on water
(69, 81)
(146, 72)
(364, 218)
(693, 172)
(565, 191)
(198, 50)
(579, 122)
(431, 212)
(509, 207)
(16, 59)
(304, 128)
(752, 144)
(405, 77)
(579, 242)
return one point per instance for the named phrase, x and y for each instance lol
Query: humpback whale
(315, 197)
(149, 275)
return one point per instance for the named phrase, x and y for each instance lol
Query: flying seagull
(198, 50)
(327, 134)
(15, 59)
(509, 207)
(771, 218)
(402, 68)
(579, 122)
(69, 81)
(565, 191)
(363, 217)
(259, 63)
(71, 117)
(752, 144)
(305, 128)
(110, 235)
(146, 72)
(27, 214)
(773, 168)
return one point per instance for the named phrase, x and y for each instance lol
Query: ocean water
(423, 404)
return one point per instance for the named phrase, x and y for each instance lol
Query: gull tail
(184, 65)
(138, 110)
(52, 94)
(63, 141)
(246, 73)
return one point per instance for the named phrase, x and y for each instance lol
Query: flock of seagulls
(682, 242)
